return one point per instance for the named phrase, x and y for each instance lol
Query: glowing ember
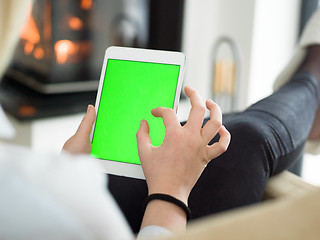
(86, 4)
(75, 23)
(28, 48)
(63, 49)
(38, 53)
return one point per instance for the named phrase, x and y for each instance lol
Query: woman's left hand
(80, 143)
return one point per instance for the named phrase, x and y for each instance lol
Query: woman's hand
(80, 143)
(175, 166)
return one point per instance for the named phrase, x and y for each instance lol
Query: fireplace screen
(62, 43)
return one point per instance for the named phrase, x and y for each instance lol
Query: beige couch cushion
(286, 184)
(293, 213)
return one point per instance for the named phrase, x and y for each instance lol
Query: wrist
(164, 214)
(168, 199)
(181, 196)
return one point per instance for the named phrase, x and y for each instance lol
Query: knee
(249, 131)
(250, 148)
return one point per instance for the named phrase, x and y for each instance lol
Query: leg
(312, 64)
(266, 139)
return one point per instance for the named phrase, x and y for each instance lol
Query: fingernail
(88, 108)
(141, 122)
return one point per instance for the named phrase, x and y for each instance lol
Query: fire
(67, 50)
(35, 40)
(38, 53)
(75, 23)
(63, 49)
(28, 48)
(30, 33)
(86, 4)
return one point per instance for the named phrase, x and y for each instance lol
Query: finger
(168, 115)
(211, 128)
(143, 138)
(197, 111)
(220, 147)
(85, 126)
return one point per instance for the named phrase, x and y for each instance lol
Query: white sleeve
(75, 186)
(153, 231)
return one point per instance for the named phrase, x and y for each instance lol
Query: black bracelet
(168, 198)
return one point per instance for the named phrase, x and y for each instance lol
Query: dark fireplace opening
(56, 66)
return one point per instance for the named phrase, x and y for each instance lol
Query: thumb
(143, 138)
(85, 126)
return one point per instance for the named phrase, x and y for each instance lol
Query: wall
(264, 31)
(275, 33)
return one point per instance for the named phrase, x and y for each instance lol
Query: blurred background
(235, 50)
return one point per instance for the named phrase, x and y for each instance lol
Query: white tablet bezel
(142, 55)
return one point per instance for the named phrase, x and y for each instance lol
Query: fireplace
(62, 43)
(59, 55)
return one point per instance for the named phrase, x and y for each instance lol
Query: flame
(86, 4)
(28, 48)
(75, 23)
(38, 53)
(67, 50)
(63, 49)
(30, 33)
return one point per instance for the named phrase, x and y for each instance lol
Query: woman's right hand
(174, 167)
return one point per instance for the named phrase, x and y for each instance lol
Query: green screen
(130, 91)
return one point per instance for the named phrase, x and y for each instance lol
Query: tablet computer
(133, 82)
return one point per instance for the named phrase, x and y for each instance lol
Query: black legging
(266, 139)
